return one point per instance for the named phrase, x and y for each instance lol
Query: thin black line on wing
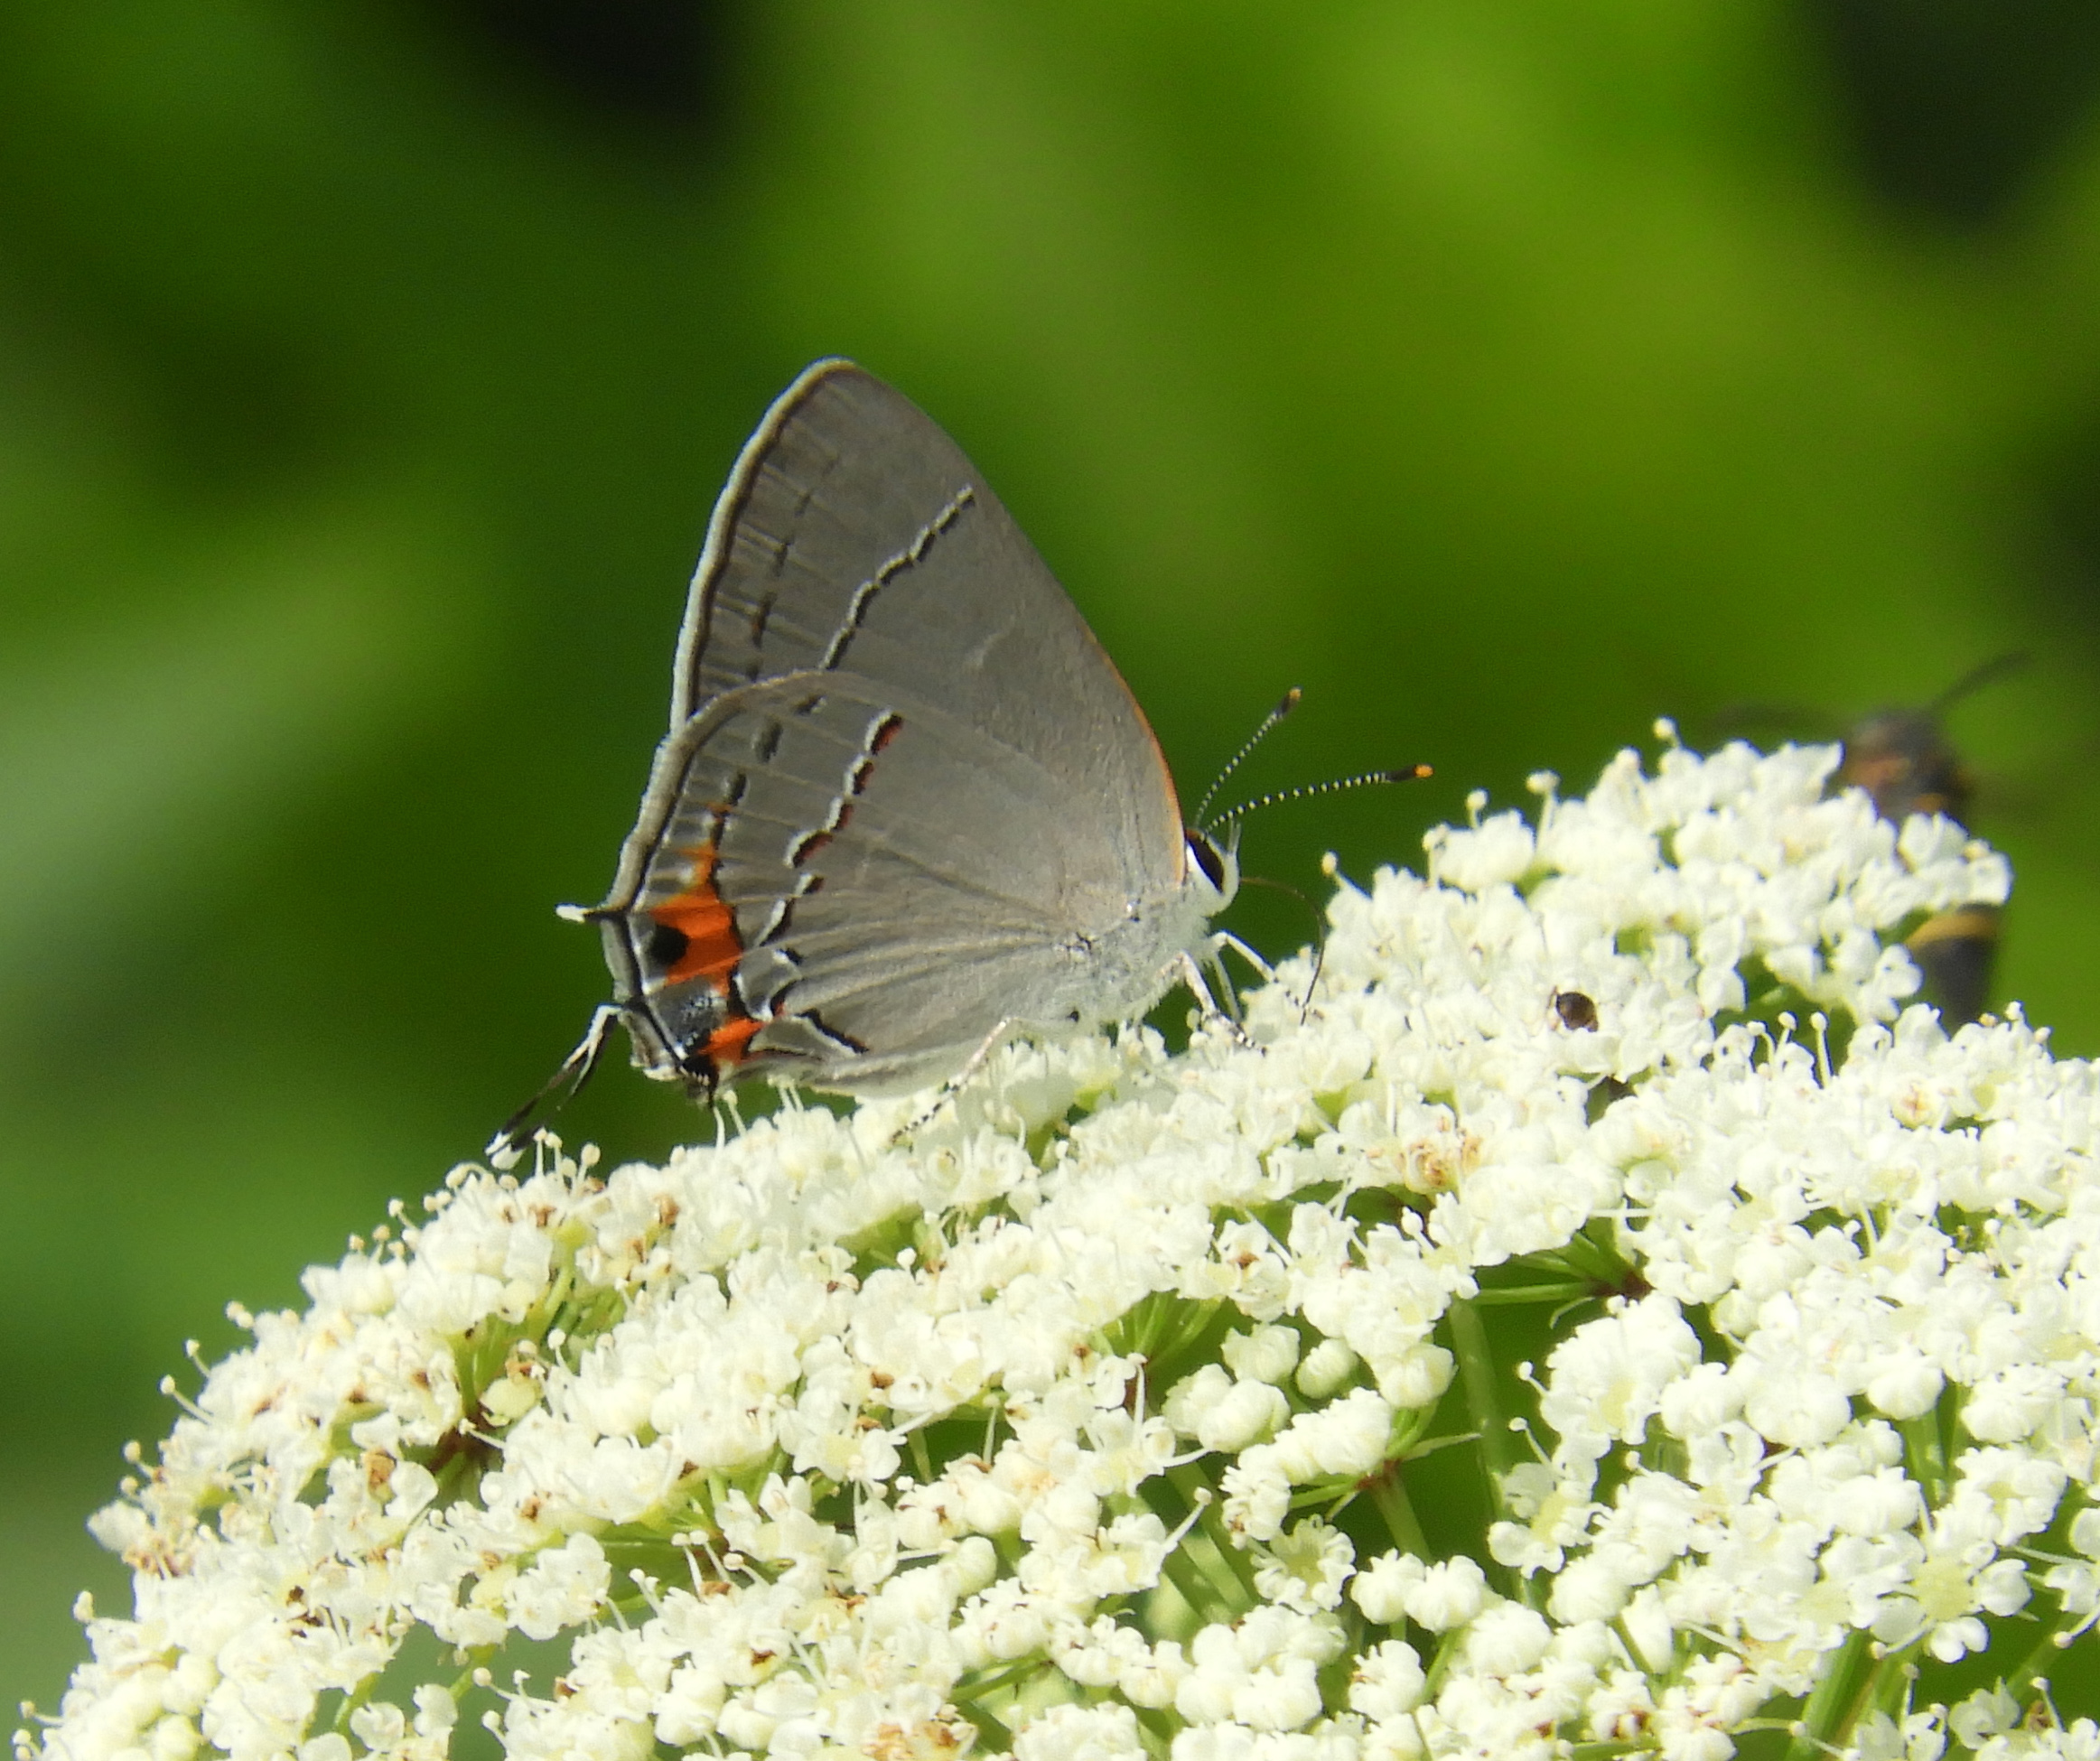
(856, 610)
(945, 877)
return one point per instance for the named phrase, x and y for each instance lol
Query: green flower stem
(1925, 1447)
(1212, 1524)
(1002, 1679)
(990, 1726)
(1191, 1583)
(1389, 1498)
(1511, 1296)
(1483, 1396)
(2037, 1664)
(1230, 1576)
(1160, 1726)
(1597, 1262)
(1847, 1686)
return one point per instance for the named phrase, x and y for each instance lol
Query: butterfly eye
(1208, 857)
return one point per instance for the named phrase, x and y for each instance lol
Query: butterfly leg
(1221, 940)
(1192, 975)
(954, 1085)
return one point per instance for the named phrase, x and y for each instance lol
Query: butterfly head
(1213, 866)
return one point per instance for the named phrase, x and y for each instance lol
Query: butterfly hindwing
(820, 847)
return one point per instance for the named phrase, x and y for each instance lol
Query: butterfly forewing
(855, 536)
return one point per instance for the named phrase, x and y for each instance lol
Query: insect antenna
(1283, 708)
(1406, 773)
(1976, 678)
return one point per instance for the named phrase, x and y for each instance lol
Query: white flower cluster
(1170, 1406)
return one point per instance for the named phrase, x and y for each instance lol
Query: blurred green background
(1503, 375)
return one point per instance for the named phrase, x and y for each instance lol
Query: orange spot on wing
(730, 1042)
(701, 916)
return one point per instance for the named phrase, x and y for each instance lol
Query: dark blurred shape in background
(367, 375)
(1959, 112)
(656, 69)
(1956, 107)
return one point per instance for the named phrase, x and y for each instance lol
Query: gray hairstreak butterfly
(907, 806)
